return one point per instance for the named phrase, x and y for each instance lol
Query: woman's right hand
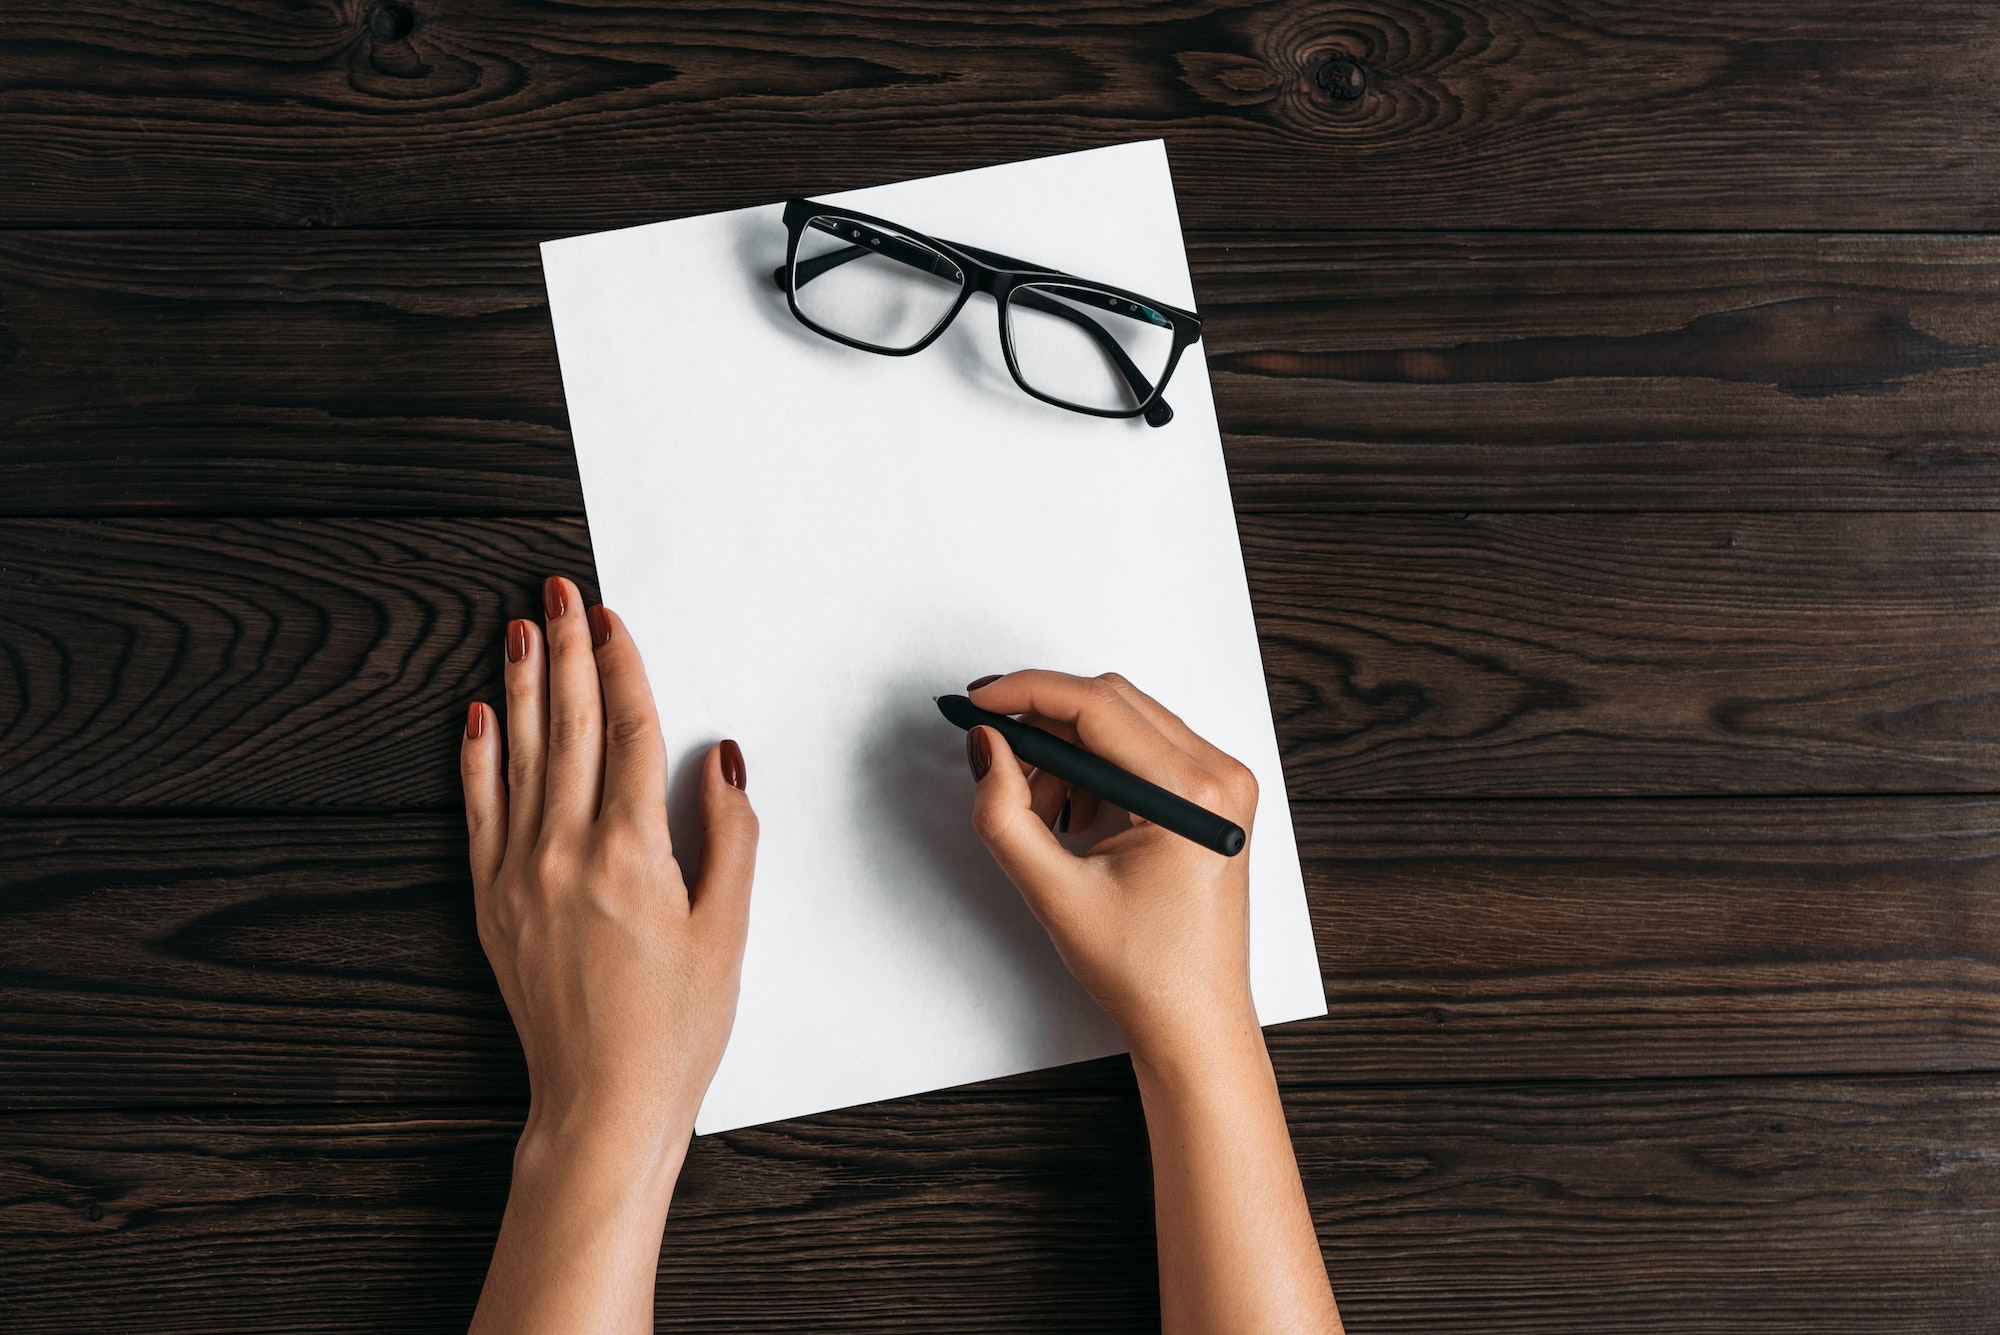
(1155, 926)
(1158, 928)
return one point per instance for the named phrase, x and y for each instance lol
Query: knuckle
(1242, 782)
(552, 864)
(1233, 788)
(1104, 693)
(491, 938)
(1206, 790)
(629, 730)
(523, 682)
(622, 846)
(569, 727)
(741, 824)
(991, 822)
(565, 636)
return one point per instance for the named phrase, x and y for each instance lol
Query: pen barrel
(1120, 788)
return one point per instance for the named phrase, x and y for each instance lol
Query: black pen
(1121, 788)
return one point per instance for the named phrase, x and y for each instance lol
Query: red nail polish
(554, 601)
(732, 765)
(986, 680)
(978, 753)
(475, 722)
(517, 641)
(600, 627)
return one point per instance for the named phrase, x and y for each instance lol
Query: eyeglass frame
(998, 276)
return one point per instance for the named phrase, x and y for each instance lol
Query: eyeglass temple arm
(917, 257)
(1158, 413)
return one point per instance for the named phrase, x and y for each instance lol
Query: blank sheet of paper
(809, 542)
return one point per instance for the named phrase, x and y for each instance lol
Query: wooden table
(1612, 405)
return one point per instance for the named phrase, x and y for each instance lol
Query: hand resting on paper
(620, 976)
(1158, 929)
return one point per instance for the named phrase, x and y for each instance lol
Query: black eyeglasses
(1080, 345)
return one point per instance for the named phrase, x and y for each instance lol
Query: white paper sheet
(809, 542)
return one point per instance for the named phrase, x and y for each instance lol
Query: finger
(527, 733)
(576, 712)
(635, 757)
(1236, 784)
(1168, 722)
(1082, 809)
(1082, 804)
(479, 770)
(1019, 840)
(1046, 796)
(1106, 723)
(729, 858)
(1062, 728)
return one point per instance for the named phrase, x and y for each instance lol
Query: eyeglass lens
(872, 284)
(1087, 348)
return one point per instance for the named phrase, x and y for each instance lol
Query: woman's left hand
(620, 979)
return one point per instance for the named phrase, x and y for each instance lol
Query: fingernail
(732, 765)
(554, 601)
(986, 680)
(1062, 818)
(600, 627)
(517, 641)
(978, 753)
(475, 722)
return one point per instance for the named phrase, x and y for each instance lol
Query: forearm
(580, 1243)
(1237, 1249)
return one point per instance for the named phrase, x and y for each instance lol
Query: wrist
(1189, 1044)
(618, 1161)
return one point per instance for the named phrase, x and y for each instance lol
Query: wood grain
(269, 959)
(1812, 1206)
(247, 960)
(1479, 940)
(258, 663)
(260, 373)
(1647, 372)
(321, 663)
(252, 373)
(1467, 113)
(1543, 655)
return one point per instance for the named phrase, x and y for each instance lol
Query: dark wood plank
(1552, 654)
(156, 962)
(148, 962)
(1606, 372)
(1808, 1206)
(241, 372)
(258, 663)
(1483, 114)
(1479, 940)
(178, 663)
(231, 372)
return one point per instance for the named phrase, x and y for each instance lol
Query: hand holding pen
(1155, 925)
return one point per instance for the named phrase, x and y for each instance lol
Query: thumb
(729, 837)
(1004, 817)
